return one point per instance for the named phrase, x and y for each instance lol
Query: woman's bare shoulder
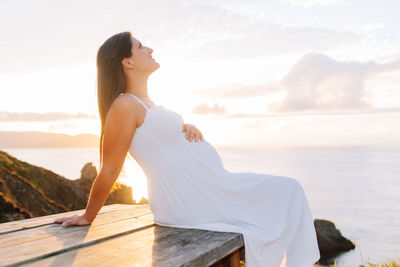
(126, 102)
(125, 108)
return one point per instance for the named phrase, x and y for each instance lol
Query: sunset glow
(253, 74)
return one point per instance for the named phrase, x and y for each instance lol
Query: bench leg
(232, 260)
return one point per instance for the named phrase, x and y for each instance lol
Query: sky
(246, 73)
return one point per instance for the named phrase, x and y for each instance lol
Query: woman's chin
(155, 67)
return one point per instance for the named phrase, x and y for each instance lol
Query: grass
(391, 263)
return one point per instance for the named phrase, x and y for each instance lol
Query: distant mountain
(29, 191)
(46, 140)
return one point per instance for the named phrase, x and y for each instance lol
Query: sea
(357, 188)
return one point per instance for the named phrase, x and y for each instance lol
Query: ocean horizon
(357, 188)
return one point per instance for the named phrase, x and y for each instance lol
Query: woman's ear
(128, 63)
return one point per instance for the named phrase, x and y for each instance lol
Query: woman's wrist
(88, 217)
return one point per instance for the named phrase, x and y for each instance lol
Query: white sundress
(188, 187)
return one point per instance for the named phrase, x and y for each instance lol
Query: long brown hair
(110, 75)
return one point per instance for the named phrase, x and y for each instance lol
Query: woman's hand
(73, 220)
(192, 132)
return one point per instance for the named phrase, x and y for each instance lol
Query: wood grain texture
(52, 238)
(121, 235)
(45, 220)
(156, 246)
(232, 260)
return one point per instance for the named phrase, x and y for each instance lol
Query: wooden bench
(121, 235)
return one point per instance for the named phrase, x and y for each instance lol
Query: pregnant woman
(188, 186)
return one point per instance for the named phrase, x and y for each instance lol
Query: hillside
(29, 191)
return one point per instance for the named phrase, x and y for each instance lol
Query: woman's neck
(137, 85)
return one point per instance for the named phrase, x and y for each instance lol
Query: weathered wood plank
(52, 238)
(45, 220)
(159, 246)
(232, 260)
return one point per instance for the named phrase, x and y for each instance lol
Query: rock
(9, 212)
(120, 193)
(330, 241)
(142, 201)
(88, 172)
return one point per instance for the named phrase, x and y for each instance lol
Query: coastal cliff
(28, 191)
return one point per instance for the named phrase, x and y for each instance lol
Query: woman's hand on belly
(192, 132)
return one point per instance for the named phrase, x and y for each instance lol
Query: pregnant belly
(203, 151)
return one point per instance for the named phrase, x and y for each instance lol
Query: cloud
(189, 29)
(299, 3)
(205, 109)
(317, 75)
(258, 39)
(318, 82)
(237, 90)
(50, 116)
(313, 113)
(313, 3)
(315, 83)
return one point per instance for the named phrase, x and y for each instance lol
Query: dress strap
(138, 99)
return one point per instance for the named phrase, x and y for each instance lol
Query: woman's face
(141, 58)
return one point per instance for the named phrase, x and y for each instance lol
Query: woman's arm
(120, 126)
